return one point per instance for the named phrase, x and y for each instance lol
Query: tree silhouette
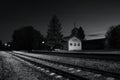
(74, 32)
(54, 35)
(81, 34)
(78, 32)
(113, 37)
(27, 38)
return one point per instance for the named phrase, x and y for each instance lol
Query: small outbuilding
(72, 43)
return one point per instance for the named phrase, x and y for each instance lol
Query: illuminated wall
(74, 44)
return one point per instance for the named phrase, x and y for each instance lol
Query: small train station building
(72, 43)
(75, 44)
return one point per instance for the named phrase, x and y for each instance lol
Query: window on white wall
(78, 44)
(74, 44)
(70, 44)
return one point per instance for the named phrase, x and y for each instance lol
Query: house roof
(69, 37)
(94, 40)
(74, 39)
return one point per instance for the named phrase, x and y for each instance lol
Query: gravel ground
(13, 69)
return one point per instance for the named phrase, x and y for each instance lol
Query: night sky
(95, 16)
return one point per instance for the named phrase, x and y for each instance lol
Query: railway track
(102, 55)
(54, 70)
(71, 72)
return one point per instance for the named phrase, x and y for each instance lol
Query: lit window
(74, 44)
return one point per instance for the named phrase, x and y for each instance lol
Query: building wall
(74, 44)
(96, 44)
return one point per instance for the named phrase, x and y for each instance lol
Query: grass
(13, 69)
(110, 66)
(6, 70)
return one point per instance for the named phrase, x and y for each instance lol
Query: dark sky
(95, 16)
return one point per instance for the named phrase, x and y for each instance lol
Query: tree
(78, 32)
(74, 32)
(54, 34)
(26, 38)
(81, 34)
(113, 37)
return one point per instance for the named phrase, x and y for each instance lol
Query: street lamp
(5, 44)
(8, 45)
(43, 42)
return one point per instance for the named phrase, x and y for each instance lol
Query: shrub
(113, 37)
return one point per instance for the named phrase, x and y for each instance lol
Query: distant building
(72, 43)
(94, 44)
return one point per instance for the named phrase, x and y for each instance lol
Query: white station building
(72, 44)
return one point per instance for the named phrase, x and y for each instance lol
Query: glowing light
(5, 44)
(43, 42)
(8, 45)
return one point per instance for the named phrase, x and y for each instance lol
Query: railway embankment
(110, 65)
(13, 69)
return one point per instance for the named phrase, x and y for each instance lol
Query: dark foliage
(54, 34)
(74, 32)
(113, 37)
(78, 32)
(81, 34)
(27, 38)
